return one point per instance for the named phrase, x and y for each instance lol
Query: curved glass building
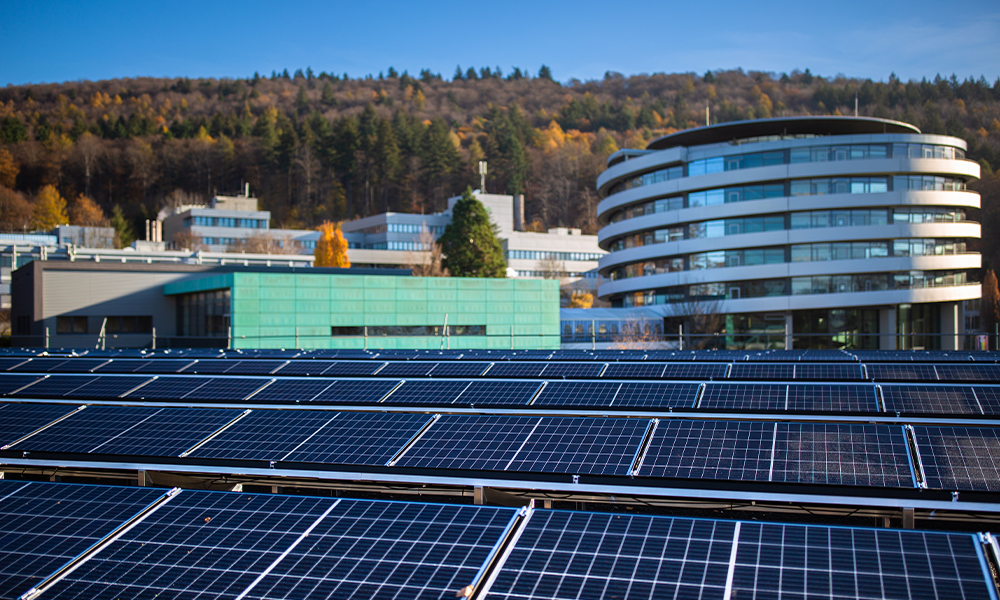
(802, 231)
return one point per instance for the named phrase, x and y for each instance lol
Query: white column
(887, 328)
(788, 331)
(949, 326)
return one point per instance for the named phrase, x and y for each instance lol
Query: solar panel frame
(721, 450)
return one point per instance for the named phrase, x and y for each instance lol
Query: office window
(71, 324)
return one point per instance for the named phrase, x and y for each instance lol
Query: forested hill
(325, 146)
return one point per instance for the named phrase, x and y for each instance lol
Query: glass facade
(204, 314)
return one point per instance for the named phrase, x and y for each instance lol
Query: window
(129, 324)
(71, 324)
(407, 330)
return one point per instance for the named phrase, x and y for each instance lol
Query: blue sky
(64, 41)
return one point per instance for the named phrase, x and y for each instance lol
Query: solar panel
(828, 372)
(265, 435)
(740, 396)
(198, 544)
(572, 370)
(165, 366)
(129, 430)
(254, 367)
(578, 393)
(576, 556)
(430, 393)
(305, 367)
(842, 454)
(694, 371)
(122, 365)
(407, 369)
(209, 367)
(43, 526)
(366, 549)
(7, 363)
(832, 398)
(292, 390)
(469, 442)
(362, 391)
(988, 398)
(732, 450)
(890, 372)
(38, 365)
(9, 383)
(603, 446)
(983, 373)
(459, 369)
(18, 420)
(55, 386)
(225, 389)
(355, 368)
(498, 393)
(168, 388)
(811, 561)
(762, 371)
(933, 399)
(359, 438)
(960, 458)
(518, 369)
(656, 395)
(634, 371)
(107, 386)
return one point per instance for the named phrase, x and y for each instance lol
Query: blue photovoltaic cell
(959, 458)
(254, 367)
(55, 386)
(642, 394)
(469, 442)
(196, 545)
(459, 369)
(842, 454)
(635, 370)
(43, 526)
(979, 373)
(593, 556)
(122, 365)
(572, 370)
(37, 365)
(812, 561)
(292, 390)
(731, 450)
(167, 388)
(305, 367)
(832, 398)
(369, 550)
(7, 363)
(498, 393)
(129, 430)
(578, 393)
(407, 369)
(265, 435)
(599, 446)
(358, 391)
(890, 372)
(762, 371)
(107, 386)
(431, 393)
(9, 383)
(225, 389)
(78, 365)
(988, 398)
(359, 438)
(516, 369)
(694, 371)
(930, 399)
(361, 368)
(744, 396)
(18, 420)
(209, 367)
(828, 372)
(164, 366)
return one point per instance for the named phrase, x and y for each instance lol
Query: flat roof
(821, 126)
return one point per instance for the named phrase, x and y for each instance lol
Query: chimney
(246, 189)
(519, 212)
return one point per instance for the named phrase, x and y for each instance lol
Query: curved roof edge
(822, 125)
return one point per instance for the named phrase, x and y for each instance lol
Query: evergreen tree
(545, 73)
(469, 243)
(123, 229)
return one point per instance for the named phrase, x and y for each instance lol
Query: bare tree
(552, 268)
(186, 240)
(427, 263)
(264, 243)
(89, 150)
(636, 334)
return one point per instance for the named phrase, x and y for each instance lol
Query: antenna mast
(482, 176)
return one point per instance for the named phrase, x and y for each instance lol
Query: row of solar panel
(214, 545)
(524, 370)
(950, 458)
(623, 395)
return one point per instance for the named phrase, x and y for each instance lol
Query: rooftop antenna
(482, 176)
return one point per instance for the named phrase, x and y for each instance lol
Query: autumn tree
(87, 213)
(49, 210)
(331, 249)
(581, 299)
(15, 210)
(989, 311)
(469, 244)
(8, 169)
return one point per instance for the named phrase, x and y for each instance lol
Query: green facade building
(315, 310)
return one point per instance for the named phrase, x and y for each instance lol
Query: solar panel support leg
(143, 480)
(908, 518)
(275, 489)
(546, 503)
(478, 497)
